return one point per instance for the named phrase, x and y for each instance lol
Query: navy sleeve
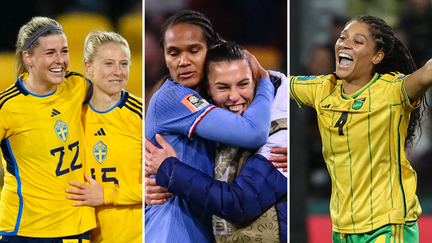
(249, 130)
(282, 210)
(258, 186)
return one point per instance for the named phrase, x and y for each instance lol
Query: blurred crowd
(78, 18)
(17, 13)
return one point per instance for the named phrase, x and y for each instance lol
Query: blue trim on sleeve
(6, 147)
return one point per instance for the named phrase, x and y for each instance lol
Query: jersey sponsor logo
(55, 113)
(326, 106)
(61, 129)
(100, 132)
(193, 103)
(100, 151)
(358, 103)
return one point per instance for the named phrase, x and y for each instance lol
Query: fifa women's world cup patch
(193, 103)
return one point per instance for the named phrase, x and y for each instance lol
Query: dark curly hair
(194, 18)
(397, 58)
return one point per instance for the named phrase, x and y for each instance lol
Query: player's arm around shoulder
(419, 82)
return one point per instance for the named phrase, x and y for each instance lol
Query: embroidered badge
(61, 129)
(193, 103)
(358, 103)
(100, 151)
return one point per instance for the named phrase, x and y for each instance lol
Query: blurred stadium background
(314, 27)
(78, 18)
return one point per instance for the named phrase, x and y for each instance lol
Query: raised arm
(419, 82)
(249, 130)
(178, 109)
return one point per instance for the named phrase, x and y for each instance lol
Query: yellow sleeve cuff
(110, 195)
(124, 196)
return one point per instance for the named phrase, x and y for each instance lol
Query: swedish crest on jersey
(100, 151)
(61, 129)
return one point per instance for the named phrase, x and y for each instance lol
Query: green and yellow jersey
(363, 136)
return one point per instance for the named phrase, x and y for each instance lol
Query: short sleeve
(306, 89)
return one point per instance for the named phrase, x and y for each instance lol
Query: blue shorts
(81, 238)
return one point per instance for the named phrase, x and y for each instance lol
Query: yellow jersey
(363, 136)
(43, 150)
(114, 140)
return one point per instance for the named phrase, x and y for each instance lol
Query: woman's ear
(379, 56)
(88, 68)
(27, 58)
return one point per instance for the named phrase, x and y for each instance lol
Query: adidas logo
(55, 113)
(325, 106)
(101, 132)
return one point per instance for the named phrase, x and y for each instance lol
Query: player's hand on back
(154, 156)
(154, 194)
(280, 158)
(91, 194)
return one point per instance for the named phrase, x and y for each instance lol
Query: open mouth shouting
(345, 60)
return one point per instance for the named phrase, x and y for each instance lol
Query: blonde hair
(97, 38)
(26, 31)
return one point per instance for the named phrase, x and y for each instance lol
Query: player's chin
(343, 74)
(191, 82)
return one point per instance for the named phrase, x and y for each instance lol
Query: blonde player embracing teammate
(113, 128)
(42, 141)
